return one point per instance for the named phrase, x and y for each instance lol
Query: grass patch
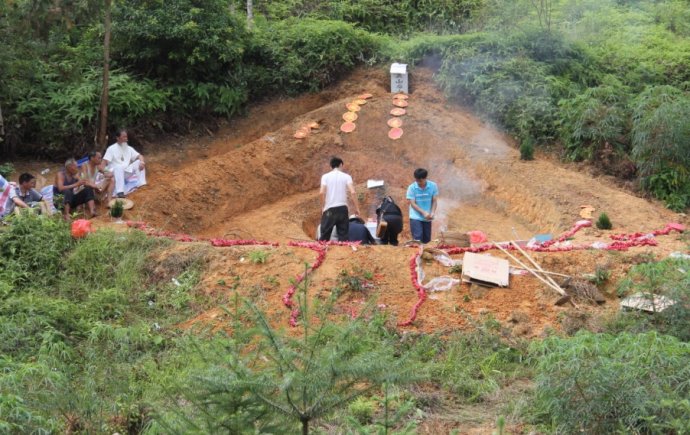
(600, 383)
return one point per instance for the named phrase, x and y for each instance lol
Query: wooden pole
(545, 272)
(534, 272)
(535, 264)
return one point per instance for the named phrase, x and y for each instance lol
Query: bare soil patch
(253, 179)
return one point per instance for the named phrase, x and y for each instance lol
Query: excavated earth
(254, 180)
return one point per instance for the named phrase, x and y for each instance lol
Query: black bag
(387, 206)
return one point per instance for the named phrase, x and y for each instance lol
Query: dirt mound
(255, 180)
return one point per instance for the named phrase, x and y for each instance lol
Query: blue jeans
(421, 230)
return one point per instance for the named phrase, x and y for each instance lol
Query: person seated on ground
(391, 213)
(124, 161)
(75, 191)
(25, 196)
(358, 232)
(94, 171)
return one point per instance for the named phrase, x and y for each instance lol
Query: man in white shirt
(124, 161)
(335, 186)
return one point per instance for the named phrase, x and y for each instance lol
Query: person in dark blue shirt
(358, 232)
(391, 213)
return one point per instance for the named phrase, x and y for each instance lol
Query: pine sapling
(117, 209)
(527, 149)
(604, 223)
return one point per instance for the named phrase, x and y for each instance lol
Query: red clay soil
(254, 180)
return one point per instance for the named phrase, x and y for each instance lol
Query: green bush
(661, 142)
(499, 78)
(473, 366)
(31, 250)
(527, 149)
(295, 56)
(103, 261)
(263, 370)
(395, 17)
(6, 169)
(668, 278)
(593, 118)
(598, 383)
(362, 409)
(60, 113)
(603, 222)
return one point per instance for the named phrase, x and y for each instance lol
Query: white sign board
(485, 269)
(399, 81)
(374, 183)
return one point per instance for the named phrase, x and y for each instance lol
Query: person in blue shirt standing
(422, 195)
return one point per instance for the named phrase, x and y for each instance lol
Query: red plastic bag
(477, 237)
(80, 228)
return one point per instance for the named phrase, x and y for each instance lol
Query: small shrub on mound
(599, 383)
(117, 210)
(604, 223)
(258, 256)
(527, 149)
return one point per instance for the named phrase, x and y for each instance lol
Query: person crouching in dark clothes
(391, 213)
(358, 232)
(75, 191)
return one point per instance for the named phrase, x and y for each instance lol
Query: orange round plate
(352, 107)
(401, 96)
(398, 112)
(364, 96)
(395, 123)
(400, 103)
(350, 116)
(348, 127)
(395, 133)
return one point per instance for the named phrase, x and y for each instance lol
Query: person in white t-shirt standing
(335, 186)
(124, 161)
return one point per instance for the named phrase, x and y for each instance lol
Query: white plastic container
(371, 226)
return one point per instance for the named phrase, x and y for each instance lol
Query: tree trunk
(103, 127)
(2, 125)
(305, 426)
(250, 14)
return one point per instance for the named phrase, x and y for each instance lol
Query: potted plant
(117, 210)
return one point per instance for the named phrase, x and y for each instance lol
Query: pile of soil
(254, 180)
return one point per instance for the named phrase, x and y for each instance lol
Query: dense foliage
(629, 383)
(607, 81)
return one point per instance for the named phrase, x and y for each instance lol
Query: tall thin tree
(250, 14)
(101, 140)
